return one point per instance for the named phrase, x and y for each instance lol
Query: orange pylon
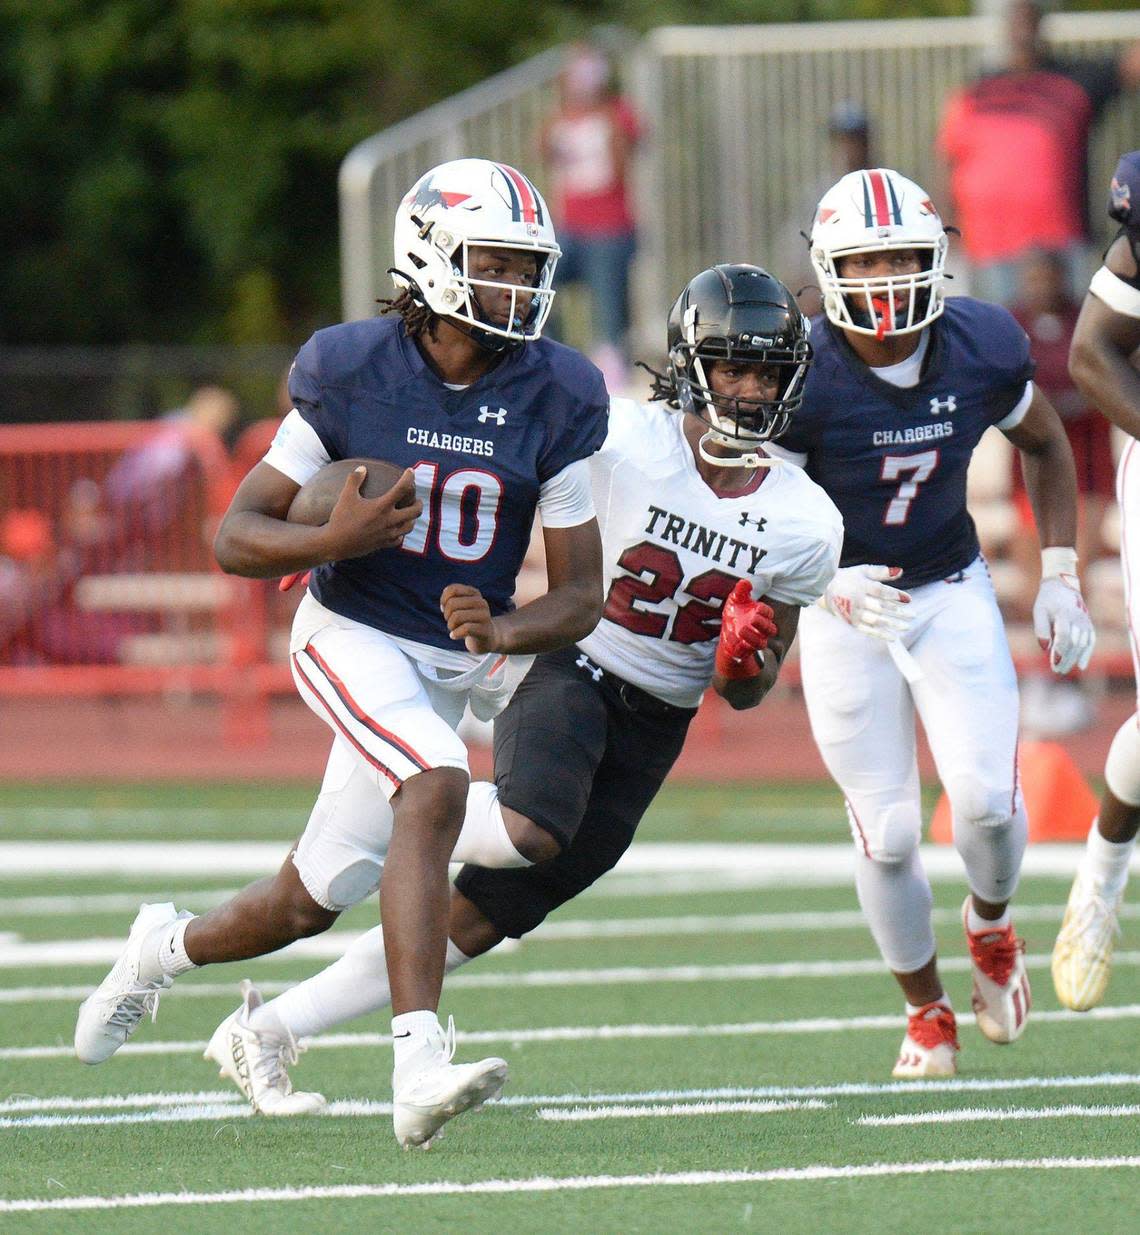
(1058, 800)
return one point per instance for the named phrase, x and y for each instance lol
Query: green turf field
(695, 1045)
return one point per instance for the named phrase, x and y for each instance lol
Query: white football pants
(862, 713)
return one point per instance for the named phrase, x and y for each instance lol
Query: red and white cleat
(1001, 996)
(930, 1047)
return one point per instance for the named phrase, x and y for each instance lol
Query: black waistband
(634, 698)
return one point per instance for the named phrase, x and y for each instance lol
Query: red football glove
(746, 625)
(288, 581)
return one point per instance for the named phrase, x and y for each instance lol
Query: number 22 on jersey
(911, 471)
(655, 576)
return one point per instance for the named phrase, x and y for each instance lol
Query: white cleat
(1001, 995)
(256, 1060)
(1082, 955)
(108, 1017)
(930, 1047)
(426, 1100)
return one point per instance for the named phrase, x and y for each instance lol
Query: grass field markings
(18, 953)
(205, 1111)
(105, 902)
(599, 1033)
(677, 1110)
(807, 865)
(580, 1183)
(21, 1104)
(982, 1114)
(26, 1103)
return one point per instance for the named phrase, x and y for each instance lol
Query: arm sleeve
(1018, 414)
(296, 451)
(1121, 297)
(567, 500)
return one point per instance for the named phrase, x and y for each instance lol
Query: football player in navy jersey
(709, 556)
(903, 385)
(1102, 362)
(408, 612)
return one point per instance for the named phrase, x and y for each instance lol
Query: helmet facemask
(741, 424)
(879, 211)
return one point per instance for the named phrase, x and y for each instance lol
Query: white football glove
(859, 595)
(1062, 624)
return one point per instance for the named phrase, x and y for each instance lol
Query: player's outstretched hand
(469, 617)
(861, 597)
(1062, 624)
(746, 625)
(360, 525)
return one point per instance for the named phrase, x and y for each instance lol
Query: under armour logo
(498, 415)
(938, 406)
(584, 662)
(758, 524)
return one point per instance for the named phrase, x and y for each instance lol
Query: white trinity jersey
(673, 550)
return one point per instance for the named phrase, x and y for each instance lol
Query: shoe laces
(996, 952)
(1095, 919)
(933, 1025)
(130, 1008)
(448, 1047)
(276, 1052)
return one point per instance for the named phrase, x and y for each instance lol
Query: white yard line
(25, 1104)
(499, 1187)
(578, 1114)
(16, 953)
(599, 1033)
(237, 1108)
(781, 865)
(980, 1114)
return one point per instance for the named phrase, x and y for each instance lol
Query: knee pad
(337, 881)
(891, 835)
(1122, 767)
(984, 806)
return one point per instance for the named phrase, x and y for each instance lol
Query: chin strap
(751, 459)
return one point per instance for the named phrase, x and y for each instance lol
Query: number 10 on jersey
(462, 510)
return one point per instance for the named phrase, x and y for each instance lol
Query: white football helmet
(868, 212)
(460, 205)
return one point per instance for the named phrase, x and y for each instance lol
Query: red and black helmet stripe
(880, 205)
(526, 205)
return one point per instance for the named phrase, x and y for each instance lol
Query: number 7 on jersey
(917, 468)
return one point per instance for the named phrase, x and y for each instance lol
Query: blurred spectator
(587, 146)
(27, 577)
(849, 150)
(1016, 145)
(1048, 313)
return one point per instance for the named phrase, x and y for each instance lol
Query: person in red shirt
(1015, 142)
(587, 146)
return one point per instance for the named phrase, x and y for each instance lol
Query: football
(315, 500)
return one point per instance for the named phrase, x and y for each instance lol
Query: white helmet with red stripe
(461, 205)
(870, 212)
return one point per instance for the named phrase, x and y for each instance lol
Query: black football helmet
(738, 312)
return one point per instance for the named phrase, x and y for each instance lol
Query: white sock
(350, 987)
(164, 951)
(483, 840)
(896, 900)
(416, 1038)
(977, 925)
(1106, 862)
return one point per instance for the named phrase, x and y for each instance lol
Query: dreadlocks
(663, 385)
(418, 318)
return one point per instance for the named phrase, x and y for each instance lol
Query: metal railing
(737, 141)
